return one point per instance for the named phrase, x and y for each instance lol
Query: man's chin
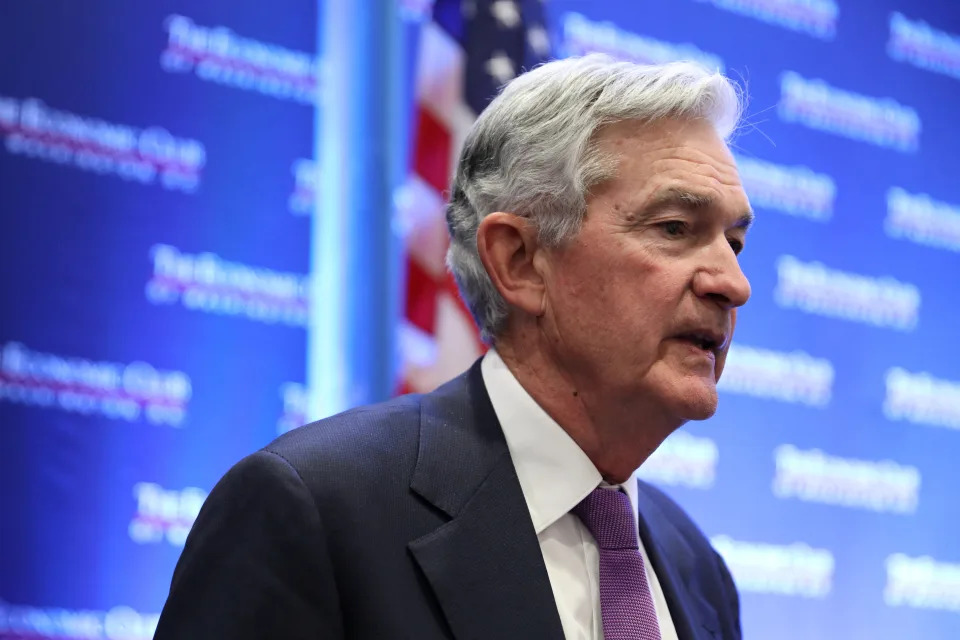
(699, 403)
(702, 412)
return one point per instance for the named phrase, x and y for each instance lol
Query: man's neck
(617, 435)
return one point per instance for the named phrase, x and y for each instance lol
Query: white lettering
(790, 570)
(879, 121)
(814, 288)
(922, 583)
(582, 35)
(220, 55)
(813, 476)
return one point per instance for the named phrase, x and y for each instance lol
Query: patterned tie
(626, 605)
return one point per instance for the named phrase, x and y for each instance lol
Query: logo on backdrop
(797, 190)
(306, 177)
(152, 155)
(921, 219)
(813, 288)
(295, 398)
(77, 385)
(814, 17)
(793, 376)
(922, 583)
(49, 623)
(581, 36)
(164, 514)
(919, 44)
(684, 460)
(922, 399)
(790, 570)
(813, 476)
(206, 282)
(217, 54)
(880, 121)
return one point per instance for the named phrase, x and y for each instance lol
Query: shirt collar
(554, 472)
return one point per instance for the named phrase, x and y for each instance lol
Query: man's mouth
(704, 339)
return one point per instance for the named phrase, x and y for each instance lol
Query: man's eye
(737, 246)
(674, 227)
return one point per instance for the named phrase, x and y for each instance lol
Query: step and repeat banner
(828, 477)
(156, 186)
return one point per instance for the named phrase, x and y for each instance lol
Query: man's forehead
(684, 161)
(654, 147)
(686, 178)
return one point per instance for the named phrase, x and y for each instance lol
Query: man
(595, 218)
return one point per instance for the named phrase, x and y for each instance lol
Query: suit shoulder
(674, 512)
(353, 444)
(714, 575)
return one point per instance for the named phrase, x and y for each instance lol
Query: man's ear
(507, 244)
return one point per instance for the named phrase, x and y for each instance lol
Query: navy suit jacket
(404, 520)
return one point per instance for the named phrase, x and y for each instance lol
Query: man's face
(641, 304)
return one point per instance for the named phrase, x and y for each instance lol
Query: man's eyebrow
(693, 201)
(745, 221)
(682, 198)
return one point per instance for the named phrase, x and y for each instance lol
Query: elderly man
(596, 217)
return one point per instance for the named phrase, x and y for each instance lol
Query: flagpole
(355, 256)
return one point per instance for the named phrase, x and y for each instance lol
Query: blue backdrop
(157, 177)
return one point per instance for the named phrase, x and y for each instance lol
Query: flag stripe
(468, 50)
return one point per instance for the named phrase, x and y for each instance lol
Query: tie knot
(608, 514)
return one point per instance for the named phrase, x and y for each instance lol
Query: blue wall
(156, 184)
(157, 181)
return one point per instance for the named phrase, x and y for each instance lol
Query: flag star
(500, 67)
(538, 40)
(506, 13)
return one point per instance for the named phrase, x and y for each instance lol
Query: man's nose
(721, 279)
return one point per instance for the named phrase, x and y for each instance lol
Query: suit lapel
(484, 565)
(673, 562)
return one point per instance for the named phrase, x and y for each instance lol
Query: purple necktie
(626, 605)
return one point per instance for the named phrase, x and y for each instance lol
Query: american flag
(468, 49)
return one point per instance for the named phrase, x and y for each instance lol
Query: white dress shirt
(555, 475)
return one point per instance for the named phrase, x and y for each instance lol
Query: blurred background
(221, 220)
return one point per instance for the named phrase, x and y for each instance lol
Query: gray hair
(532, 152)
